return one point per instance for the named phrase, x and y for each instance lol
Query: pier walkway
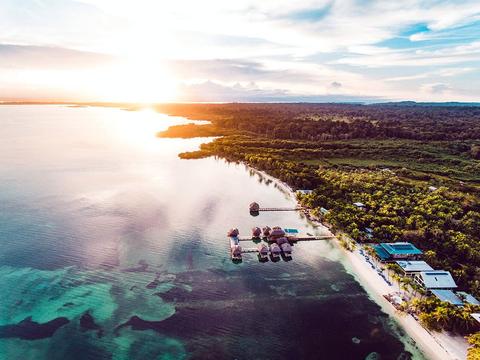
(298, 208)
(292, 239)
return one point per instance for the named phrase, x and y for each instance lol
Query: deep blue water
(111, 247)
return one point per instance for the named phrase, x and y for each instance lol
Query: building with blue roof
(468, 298)
(448, 296)
(435, 280)
(397, 251)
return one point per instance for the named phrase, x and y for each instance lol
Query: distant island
(415, 168)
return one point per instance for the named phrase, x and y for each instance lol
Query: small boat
(275, 251)
(236, 252)
(286, 249)
(233, 232)
(263, 252)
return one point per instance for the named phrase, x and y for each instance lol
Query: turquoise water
(111, 247)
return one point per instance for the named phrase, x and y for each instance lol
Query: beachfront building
(323, 211)
(468, 298)
(412, 267)
(476, 316)
(368, 233)
(304, 192)
(432, 188)
(435, 280)
(360, 205)
(448, 296)
(439, 283)
(388, 252)
(459, 298)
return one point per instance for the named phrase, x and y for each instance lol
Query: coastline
(433, 345)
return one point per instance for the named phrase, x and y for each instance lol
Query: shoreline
(433, 345)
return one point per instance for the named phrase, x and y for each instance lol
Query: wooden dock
(311, 238)
(281, 209)
(292, 239)
(249, 250)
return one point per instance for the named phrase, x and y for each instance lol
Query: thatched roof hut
(233, 232)
(277, 232)
(266, 231)
(286, 248)
(254, 207)
(237, 250)
(275, 249)
(256, 232)
(263, 249)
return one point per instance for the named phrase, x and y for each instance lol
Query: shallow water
(111, 247)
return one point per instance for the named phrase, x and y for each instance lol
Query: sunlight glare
(137, 80)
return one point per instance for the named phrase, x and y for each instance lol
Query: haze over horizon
(147, 51)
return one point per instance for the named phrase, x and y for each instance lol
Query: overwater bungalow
(263, 251)
(282, 240)
(233, 232)
(266, 231)
(236, 252)
(286, 249)
(254, 207)
(275, 233)
(256, 232)
(275, 250)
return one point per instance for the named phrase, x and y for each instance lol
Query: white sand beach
(434, 345)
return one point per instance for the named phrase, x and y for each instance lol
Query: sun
(136, 80)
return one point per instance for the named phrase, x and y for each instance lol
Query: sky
(242, 50)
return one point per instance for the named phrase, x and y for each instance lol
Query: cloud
(307, 47)
(34, 57)
(436, 88)
(210, 91)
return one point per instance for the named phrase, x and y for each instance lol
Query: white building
(412, 267)
(435, 280)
